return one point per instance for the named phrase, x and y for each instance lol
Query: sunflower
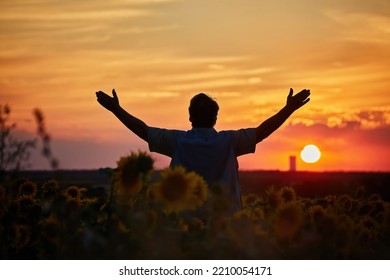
(50, 189)
(378, 208)
(28, 188)
(345, 203)
(257, 213)
(73, 192)
(199, 191)
(250, 200)
(179, 190)
(174, 187)
(288, 194)
(289, 219)
(28, 207)
(131, 171)
(83, 197)
(327, 201)
(274, 197)
(316, 213)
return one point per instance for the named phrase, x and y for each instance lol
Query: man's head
(203, 111)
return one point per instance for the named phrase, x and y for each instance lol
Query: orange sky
(54, 55)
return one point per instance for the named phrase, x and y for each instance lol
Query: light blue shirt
(209, 153)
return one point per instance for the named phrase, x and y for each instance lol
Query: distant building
(293, 163)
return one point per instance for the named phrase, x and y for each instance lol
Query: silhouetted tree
(14, 153)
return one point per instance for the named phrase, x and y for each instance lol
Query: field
(306, 184)
(314, 184)
(146, 214)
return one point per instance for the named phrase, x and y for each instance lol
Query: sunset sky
(157, 54)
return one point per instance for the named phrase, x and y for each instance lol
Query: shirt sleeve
(161, 140)
(244, 141)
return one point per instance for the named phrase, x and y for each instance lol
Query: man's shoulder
(153, 129)
(164, 134)
(238, 131)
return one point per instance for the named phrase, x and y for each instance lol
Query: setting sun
(310, 153)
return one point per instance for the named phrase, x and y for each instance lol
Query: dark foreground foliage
(176, 216)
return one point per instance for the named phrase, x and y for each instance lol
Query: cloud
(75, 15)
(213, 84)
(63, 26)
(363, 119)
(156, 94)
(224, 72)
(361, 27)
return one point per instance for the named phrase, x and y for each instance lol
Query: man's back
(211, 154)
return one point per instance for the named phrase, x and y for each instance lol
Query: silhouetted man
(202, 149)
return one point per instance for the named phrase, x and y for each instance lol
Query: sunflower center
(175, 188)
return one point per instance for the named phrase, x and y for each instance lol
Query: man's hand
(298, 100)
(273, 123)
(108, 102)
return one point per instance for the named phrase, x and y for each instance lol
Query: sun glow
(310, 154)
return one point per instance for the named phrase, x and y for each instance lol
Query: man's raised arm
(293, 103)
(112, 104)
